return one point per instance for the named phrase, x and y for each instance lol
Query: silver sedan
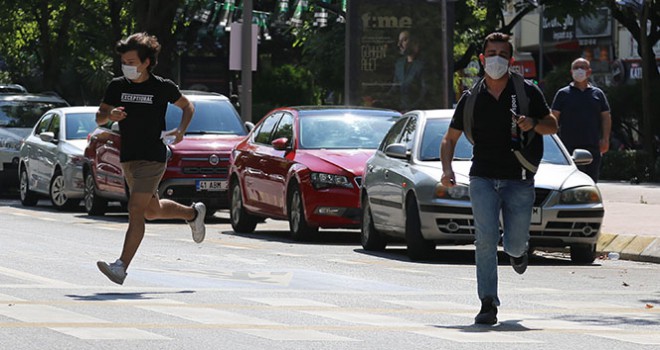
(402, 197)
(51, 157)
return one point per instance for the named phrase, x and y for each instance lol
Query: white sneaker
(197, 225)
(115, 271)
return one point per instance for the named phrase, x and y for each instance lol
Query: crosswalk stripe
(290, 302)
(486, 336)
(636, 338)
(109, 334)
(209, 316)
(294, 335)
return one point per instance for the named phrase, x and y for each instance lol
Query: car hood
(77, 146)
(207, 143)
(550, 176)
(14, 133)
(352, 160)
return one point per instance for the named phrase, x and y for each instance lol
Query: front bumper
(185, 191)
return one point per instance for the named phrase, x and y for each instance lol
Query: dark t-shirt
(580, 120)
(491, 130)
(145, 105)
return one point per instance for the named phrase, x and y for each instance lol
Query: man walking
(584, 117)
(138, 101)
(499, 180)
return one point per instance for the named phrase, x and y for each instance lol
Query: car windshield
(436, 128)
(434, 131)
(24, 114)
(211, 117)
(79, 125)
(344, 131)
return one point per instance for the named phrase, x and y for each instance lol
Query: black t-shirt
(145, 105)
(491, 131)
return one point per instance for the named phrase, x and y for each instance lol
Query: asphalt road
(264, 291)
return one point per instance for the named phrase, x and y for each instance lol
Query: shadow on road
(324, 237)
(123, 296)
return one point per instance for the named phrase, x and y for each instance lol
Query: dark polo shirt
(492, 156)
(580, 120)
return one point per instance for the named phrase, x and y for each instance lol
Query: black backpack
(523, 104)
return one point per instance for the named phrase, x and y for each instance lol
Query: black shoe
(488, 312)
(519, 264)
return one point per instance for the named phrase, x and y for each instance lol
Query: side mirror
(47, 136)
(249, 126)
(582, 156)
(281, 144)
(397, 150)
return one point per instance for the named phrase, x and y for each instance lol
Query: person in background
(138, 101)
(499, 183)
(584, 117)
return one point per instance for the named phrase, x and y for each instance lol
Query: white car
(18, 113)
(402, 196)
(51, 157)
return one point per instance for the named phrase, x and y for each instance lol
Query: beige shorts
(143, 176)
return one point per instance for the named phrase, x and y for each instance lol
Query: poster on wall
(394, 54)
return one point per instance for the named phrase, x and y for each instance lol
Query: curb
(630, 247)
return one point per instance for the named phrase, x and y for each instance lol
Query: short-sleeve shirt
(580, 122)
(145, 105)
(492, 155)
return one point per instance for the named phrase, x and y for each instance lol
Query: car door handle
(262, 161)
(110, 142)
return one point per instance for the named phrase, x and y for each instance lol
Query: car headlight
(458, 192)
(323, 180)
(580, 195)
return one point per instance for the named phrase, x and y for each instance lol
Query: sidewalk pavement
(631, 226)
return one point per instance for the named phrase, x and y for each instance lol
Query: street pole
(647, 59)
(246, 61)
(540, 75)
(445, 77)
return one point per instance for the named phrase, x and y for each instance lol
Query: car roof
(195, 95)
(334, 110)
(434, 113)
(32, 97)
(12, 88)
(76, 109)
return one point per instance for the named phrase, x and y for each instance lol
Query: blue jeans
(515, 199)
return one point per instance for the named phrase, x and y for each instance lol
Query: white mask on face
(579, 75)
(496, 66)
(130, 72)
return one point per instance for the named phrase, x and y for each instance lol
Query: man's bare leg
(137, 206)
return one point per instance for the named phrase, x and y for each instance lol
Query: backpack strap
(523, 104)
(468, 109)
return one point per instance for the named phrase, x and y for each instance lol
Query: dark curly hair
(147, 46)
(498, 37)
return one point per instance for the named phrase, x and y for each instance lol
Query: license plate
(210, 185)
(537, 215)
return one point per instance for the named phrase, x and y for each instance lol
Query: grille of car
(204, 170)
(460, 226)
(568, 229)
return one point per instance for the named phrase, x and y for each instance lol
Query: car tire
(28, 198)
(94, 205)
(241, 220)
(419, 248)
(583, 253)
(57, 196)
(298, 225)
(372, 239)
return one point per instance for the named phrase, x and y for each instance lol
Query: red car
(304, 165)
(197, 167)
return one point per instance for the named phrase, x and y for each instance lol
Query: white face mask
(496, 66)
(130, 72)
(579, 75)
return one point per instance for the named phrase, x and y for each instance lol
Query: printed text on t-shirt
(137, 98)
